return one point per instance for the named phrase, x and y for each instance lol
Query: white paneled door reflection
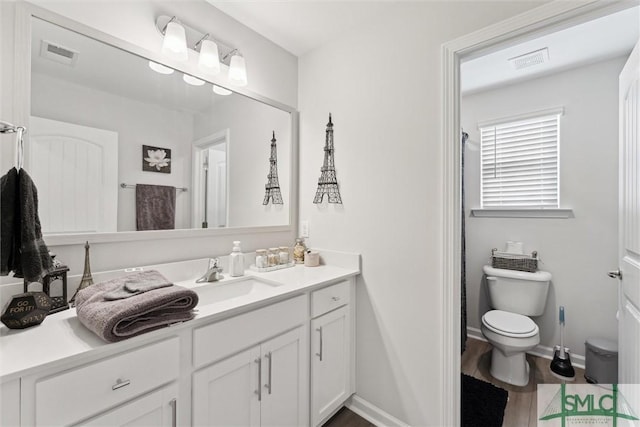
(76, 171)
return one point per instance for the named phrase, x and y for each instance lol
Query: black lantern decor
(54, 285)
(25, 310)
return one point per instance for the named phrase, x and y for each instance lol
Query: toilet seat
(509, 324)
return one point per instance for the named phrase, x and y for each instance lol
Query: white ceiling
(604, 38)
(299, 26)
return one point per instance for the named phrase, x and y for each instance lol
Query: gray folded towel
(153, 280)
(119, 319)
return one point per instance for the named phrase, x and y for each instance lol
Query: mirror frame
(25, 12)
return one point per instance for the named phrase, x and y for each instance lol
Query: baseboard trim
(577, 360)
(372, 413)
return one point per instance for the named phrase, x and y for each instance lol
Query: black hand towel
(34, 254)
(9, 240)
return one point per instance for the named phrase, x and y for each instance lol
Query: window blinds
(520, 163)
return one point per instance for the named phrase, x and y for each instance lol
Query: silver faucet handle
(214, 263)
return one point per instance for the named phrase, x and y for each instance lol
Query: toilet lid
(503, 322)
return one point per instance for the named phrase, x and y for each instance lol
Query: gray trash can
(601, 361)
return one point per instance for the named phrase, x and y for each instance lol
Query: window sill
(522, 213)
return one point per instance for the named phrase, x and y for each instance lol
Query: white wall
(272, 73)
(576, 251)
(382, 85)
(137, 123)
(250, 126)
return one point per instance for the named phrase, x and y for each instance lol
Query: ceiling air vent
(530, 59)
(58, 53)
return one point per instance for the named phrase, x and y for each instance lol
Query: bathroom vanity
(264, 349)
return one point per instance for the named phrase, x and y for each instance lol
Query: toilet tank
(517, 291)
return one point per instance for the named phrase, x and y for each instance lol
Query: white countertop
(61, 339)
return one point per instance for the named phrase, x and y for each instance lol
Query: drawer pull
(120, 383)
(174, 412)
(268, 386)
(335, 298)
(320, 353)
(259, 390)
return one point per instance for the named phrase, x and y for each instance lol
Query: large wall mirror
(109, 128)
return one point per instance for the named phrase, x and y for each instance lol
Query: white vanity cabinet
(266, 382)
(261, 386)
(157, 409)
(332, 350)
(82, 395)
(284, 360)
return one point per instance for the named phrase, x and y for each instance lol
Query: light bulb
(209, 60)
(221, 91)
(237, 71)
(159, 68)
(193, 81)
(174, 45)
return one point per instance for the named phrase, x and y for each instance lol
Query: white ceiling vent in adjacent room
(58, 53)
(530, 59)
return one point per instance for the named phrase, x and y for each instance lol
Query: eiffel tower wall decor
(328, 183)
(272, 188)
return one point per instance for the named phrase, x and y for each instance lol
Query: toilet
(514, 296)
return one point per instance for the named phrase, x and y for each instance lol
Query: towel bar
(123, 185)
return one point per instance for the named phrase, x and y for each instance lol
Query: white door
(75, 169)
(226, 393)
(330, 363)
(283, 387)
(156, 409)
(629, 238)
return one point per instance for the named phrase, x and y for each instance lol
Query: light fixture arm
(163, 30)
(199, 42)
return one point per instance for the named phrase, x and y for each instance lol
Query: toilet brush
(561, 363)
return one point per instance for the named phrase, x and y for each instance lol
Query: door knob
(617, 274)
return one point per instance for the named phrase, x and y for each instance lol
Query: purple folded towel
(119, 319)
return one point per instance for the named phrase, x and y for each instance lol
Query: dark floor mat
(482, 403)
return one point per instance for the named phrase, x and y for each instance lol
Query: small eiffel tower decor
(272, 188)
(87, 279)
(328, 183)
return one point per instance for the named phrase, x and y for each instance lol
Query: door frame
(197, 146)
(542, 20)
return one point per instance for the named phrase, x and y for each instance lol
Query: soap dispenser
(236, 261)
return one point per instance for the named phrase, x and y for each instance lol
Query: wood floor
(346, 418)
(521, 407)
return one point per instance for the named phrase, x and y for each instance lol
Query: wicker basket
(508, 261)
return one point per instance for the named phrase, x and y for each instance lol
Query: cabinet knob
(335, 298)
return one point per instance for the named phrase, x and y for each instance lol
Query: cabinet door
(226, 393)
(330, 355)
(284, 389)
(157, 408)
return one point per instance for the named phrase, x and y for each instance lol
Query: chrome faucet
(213, 273)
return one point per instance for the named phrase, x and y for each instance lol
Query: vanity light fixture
(174, 44)
(211, 53)
(193, 81)
(159, 68)
(237, 70)
(221, 91)
(209, 58)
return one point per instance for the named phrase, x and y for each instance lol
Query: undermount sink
(220, 291)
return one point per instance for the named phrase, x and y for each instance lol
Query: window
(520, 162)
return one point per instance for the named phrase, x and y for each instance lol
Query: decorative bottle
(299, 250)
(236, 261)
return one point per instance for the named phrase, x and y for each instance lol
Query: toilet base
(512, 369)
